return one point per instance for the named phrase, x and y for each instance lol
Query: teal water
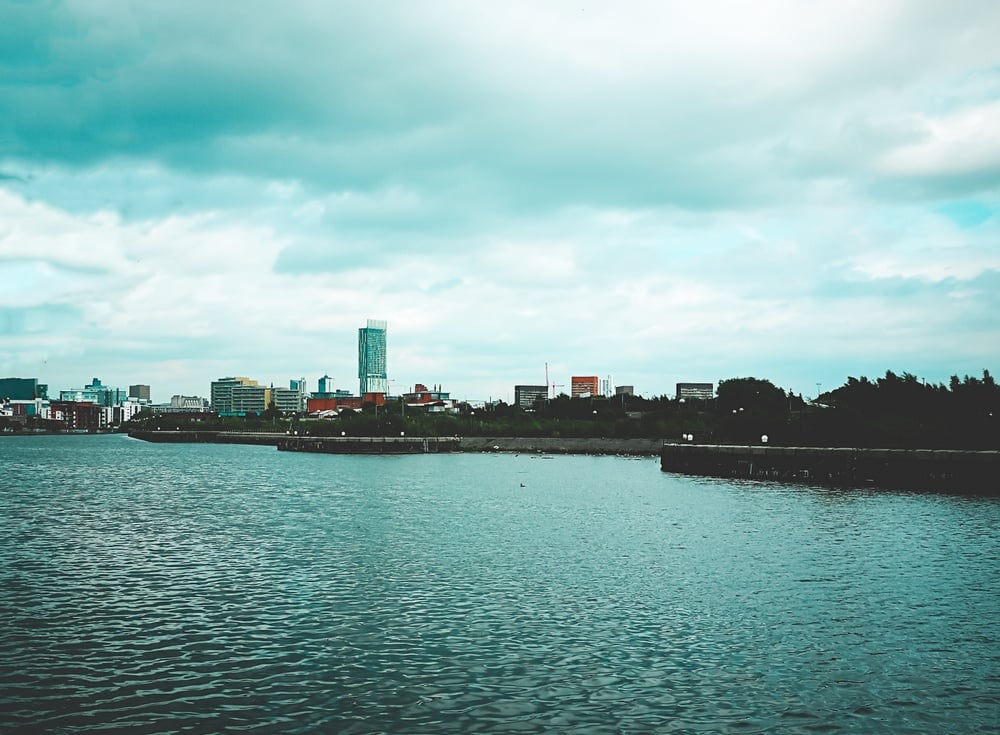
(207, 589)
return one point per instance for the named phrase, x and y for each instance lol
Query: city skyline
(658, 192)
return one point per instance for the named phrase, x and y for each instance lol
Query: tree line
(893, 411)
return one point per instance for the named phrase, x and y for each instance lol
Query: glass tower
(371, 358)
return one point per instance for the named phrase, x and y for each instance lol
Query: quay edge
(208, 437)
(398, 445)
(912, 469)
(370, 444)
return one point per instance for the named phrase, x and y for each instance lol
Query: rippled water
(204, 589)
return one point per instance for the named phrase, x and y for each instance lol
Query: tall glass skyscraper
(371, 358)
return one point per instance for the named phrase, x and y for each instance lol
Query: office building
(96, 392)
(222, 393)
(372, 374)
(326, 389)
(182, 404)
(289, 400)
(139, 392)
(250, 399)
(698, 391)
(526, 396)
(23, 389)
(584, 386)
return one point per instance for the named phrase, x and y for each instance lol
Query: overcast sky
(655, 191)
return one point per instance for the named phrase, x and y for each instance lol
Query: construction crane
(550, 388)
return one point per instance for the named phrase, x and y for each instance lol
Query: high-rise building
(371, 358)
(139, 392)
(526, 396)
(584, 386)
(222, 393)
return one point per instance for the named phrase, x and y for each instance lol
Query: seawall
(909, 469)
(209, 437)
(370, 444)
(397, 445)
(568, 445)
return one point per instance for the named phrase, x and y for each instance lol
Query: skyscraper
(371, 358)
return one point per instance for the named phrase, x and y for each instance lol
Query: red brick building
(76, 416)
(583, 386)
(355, 403)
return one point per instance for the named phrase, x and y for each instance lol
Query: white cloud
(660, 190)
(963, 142)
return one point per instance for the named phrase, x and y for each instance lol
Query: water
(206, 589)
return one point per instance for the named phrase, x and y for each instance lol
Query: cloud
(18, 323)
(660, 191)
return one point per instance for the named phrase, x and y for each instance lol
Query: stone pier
(907, 469)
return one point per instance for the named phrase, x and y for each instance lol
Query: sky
(658, 192)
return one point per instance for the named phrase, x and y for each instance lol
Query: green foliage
(891, 411)
(903, 411)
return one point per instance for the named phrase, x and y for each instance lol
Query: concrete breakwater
(562, 445)
(209, 437)
(419, 445)
(370, 444)
(296, 443)
(910, 469)
(430, 445)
